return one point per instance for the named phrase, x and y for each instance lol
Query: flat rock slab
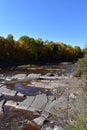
(33, 76)
(9, 78)
(1, 102)
(39, 103)
(19, 76)
(58, 107)
(2, 77)
(11, 103)
(4, 89)
(27, 102)
(47, 107)
(19, 97)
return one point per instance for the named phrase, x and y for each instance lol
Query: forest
(29, 50)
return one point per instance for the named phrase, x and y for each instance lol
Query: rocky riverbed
(31, 100)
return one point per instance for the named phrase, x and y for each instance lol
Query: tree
(39, 41)
(10, 38)
(36, 50)
(2, 48)
(50, 48)
(24, 40)
(77, 52)
(10, 47)
(69, 52)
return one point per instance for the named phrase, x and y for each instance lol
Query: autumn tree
(24, 40)
(30, 50)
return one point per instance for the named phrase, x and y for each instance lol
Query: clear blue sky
(53, 20)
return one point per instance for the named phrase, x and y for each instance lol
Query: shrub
(77, 73)
(79, 124)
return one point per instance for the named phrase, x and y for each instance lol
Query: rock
(39, 103)
(33, 76)
(39, 120)
(1, 95)
(1, 114)
(1, 111)
(58, 108)
(11, 104)
(27, 102)
(1, 102)
(58, 128)
(22, 103)
(45, 114)
(2, 76)
(72, 96)
(51, 98)
(11, 96)
(50, 74)
(76, 105)
(58, 91)
(8, 78)
(49, 77)
(19, 76)
(55, 127)
(6, 90)
(47, 107)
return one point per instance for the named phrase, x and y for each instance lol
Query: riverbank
(54, 99)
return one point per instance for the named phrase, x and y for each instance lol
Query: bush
(82, 65)
(79, 124)
(77, 73)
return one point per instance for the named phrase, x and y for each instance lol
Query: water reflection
(28, 90)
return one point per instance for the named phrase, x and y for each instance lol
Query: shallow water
(28, 90)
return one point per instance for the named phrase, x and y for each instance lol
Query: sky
(52, 20)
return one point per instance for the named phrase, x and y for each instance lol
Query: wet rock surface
(38, 101)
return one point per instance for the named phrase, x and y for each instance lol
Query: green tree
(51, 50)
(69, 53)
(9, 45)
(10, 38)
(2, 48)
(77, 52)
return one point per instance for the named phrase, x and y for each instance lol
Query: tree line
(30, 50)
